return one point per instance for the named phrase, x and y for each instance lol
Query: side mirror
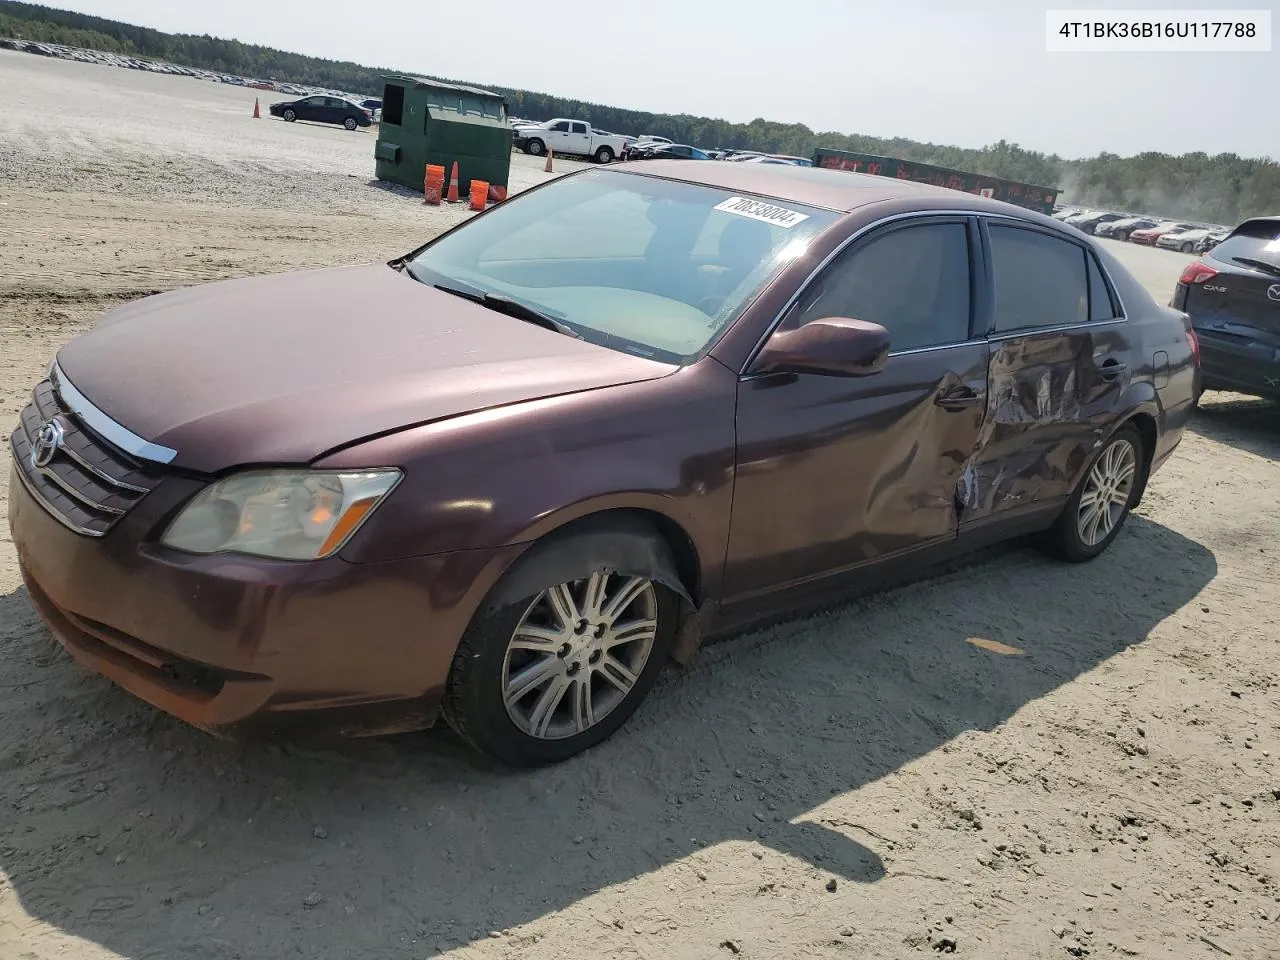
(831, 347)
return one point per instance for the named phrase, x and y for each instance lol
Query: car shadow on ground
(126, 828)
(1241, 422)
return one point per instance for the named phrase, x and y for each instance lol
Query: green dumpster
(428, 121)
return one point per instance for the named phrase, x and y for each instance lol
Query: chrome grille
(89, 484)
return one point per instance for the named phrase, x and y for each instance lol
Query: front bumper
(230, 643)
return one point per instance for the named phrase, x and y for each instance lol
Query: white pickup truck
(570, 137)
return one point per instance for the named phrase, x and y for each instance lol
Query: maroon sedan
(508, 476)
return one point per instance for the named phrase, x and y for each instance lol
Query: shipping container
(1040, 199)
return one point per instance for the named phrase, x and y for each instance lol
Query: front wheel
(535, 147)
(350, 123)
(604, 155)
(1101, 503)
(556, 672)
(289, 115)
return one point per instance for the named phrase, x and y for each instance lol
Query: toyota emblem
(48, 440)
(1273, 291)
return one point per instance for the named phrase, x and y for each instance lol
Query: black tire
(1121, 235)
(289, 116)
(604, 155)
(535, 147)
(350, 123)
(1064, 538)
(474, 706)
(1186, 248)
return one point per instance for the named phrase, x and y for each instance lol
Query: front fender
(516, 474)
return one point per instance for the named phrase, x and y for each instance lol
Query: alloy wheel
(1107, 492)
(577, 652)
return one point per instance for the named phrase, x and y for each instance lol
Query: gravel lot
(1013, 759)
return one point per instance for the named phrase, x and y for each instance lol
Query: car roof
(838, 190)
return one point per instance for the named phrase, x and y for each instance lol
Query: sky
(963, 72)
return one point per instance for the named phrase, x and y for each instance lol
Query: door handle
(1111, 369)
(959, 398)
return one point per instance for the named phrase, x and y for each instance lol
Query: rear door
(337, 110)
(579, 140)
(1060, 365)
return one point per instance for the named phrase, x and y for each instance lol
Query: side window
(562, 126)
(579, 128)
(913, 280)
(314, 101)
(1040, 280)
(1101, 306)
(335, 102)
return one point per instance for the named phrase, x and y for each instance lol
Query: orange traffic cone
(257, 114)
(453, 184)
(550, 154)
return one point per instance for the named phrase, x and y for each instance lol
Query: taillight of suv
(1197, 272)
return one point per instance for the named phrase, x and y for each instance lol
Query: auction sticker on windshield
(759, 210)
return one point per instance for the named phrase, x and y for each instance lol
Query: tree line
(1223, 189)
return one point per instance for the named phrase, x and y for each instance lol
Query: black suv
(322, 109)
(1232, 294)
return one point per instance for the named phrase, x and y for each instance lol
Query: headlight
(283, 514)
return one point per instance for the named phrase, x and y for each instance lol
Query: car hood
(281, 369)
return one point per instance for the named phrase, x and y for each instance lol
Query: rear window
(1252, 240)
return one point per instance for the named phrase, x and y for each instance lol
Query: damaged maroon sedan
(505, 478)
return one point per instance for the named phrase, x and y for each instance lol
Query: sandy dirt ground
(1014, 759)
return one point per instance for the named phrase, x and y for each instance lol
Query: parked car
(1232, 295)
(323, 109)
(1211, 240)
(642, 147)
(1089, 221)
(548, 464)
(673, 151)
(1120, 229)
(1182, 240)
(574, 137)
(1150, 235)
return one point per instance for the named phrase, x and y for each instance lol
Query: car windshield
(1256, 240)
(645, 265)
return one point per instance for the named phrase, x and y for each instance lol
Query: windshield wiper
(512, 308)
(1258, 264)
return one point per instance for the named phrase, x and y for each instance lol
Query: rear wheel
(350, 123)
(289, 115)
(560, 669)
(604, 155)
(1186, 247)
(1100, 505)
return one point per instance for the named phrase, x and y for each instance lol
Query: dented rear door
(1060, 365)
(837, 472)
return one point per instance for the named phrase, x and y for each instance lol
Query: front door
(838, 472)
(312, 108)
(1059, 369)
